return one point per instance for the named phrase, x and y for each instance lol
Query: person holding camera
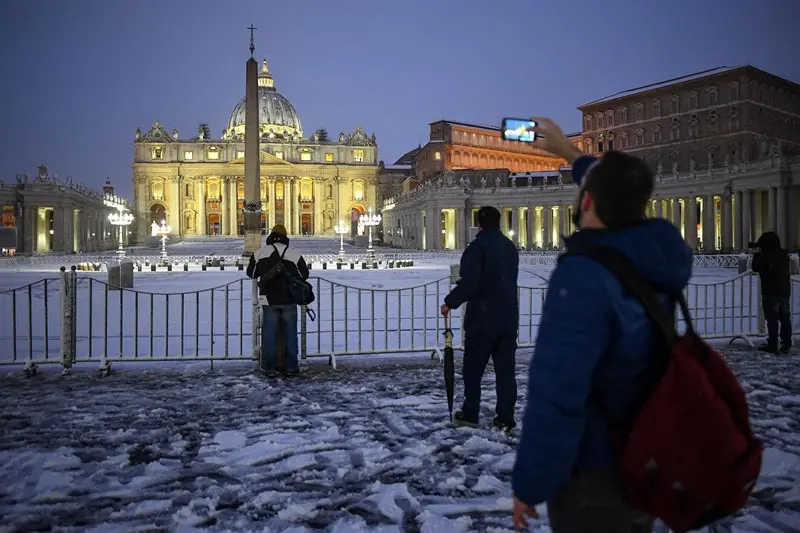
(772, 264)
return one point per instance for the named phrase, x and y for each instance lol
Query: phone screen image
(517, 129)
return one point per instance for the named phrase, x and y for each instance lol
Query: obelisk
(252, 189)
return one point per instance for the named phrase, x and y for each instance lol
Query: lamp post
(340, 229)
(121, 220)
(163, 231)
(370, 220)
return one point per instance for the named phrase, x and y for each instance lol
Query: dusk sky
(78, 77)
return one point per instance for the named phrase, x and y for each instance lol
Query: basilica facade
(307, 184)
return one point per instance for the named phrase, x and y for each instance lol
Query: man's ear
(586, 202)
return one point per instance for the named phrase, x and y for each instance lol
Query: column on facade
(676, 214)
(740, 238)
(234, 199)
(726, 221)
(772, 209)
(460, 227)
(530, 242)
(142, 213)
(547, 226)
(747, 218)
(659, 209)
(781, 194)
(515, 225)
(690, 221)
(435, 222)
(200, 204)
(319, 221)
(174, 214)
(271, 202)
(709, 232)
(288, 204)
(794, 217)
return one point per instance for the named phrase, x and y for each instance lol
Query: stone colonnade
(713, 215)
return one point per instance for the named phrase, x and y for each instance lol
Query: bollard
(352, 266)
(375, 265)
(152, 267)
(186, 267)
(169, 267)
(338, 266)
(203, 267)
(221, 266)
(139, 267)
(241, 266)
(363, 265)
(324, 266)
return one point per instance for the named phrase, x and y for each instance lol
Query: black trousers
(479, 346)
(777, 312)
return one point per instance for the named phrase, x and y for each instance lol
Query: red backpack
(689, 457)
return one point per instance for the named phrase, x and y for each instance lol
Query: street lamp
(370, 220)
(121, 220)
(163, 231)
(340, 229)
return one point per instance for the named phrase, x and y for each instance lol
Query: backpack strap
(634, 283)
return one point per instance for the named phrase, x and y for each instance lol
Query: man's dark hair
(620, 185)
(489, 218)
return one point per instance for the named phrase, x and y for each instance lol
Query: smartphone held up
(519, 129)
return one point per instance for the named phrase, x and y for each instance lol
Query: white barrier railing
(101, 323)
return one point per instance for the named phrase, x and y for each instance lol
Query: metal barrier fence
(526, 257)
(76, 319)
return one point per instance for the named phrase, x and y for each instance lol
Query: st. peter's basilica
(307, 184)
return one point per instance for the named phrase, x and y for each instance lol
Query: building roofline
(468, 124)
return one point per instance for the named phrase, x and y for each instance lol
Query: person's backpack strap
(629, 277)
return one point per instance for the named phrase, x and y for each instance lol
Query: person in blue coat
(488, 285)
(595, 346)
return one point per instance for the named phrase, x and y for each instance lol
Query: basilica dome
(277, 118)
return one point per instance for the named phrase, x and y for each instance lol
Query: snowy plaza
(184, 435)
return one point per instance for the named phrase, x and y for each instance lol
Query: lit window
(279, 191)
(213, 155)
(305, 156)
(437, 155)
(240, 155)
(305, 191)
(329, 157)
(157, 153)
(358, 190)
(188, 155)
(279, 155)
(157, 190)
(358, 156)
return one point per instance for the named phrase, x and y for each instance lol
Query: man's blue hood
(655, 246)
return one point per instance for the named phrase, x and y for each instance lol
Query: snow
(364, 448)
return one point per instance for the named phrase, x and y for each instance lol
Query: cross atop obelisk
(252, 39)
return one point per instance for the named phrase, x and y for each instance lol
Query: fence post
(303, 331)
(256, 322)
(67, 319)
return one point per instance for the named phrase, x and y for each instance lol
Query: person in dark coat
(772, 264)
(278, 309)
(488, 285)
(595, 346)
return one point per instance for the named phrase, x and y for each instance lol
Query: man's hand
(550, 138)
(521, 511)
(445, 310)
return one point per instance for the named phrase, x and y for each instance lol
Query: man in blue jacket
(593, 338)
(488, 284)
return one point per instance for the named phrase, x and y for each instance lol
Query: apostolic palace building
(724, 145)
(307, 184)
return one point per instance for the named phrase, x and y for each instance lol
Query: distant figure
(772, 264)
(154, 228)
(488, 284)
(271, 264)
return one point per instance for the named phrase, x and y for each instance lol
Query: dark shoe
(270, 373)
(292, 373)
(504, 425)
(785, 349)
(769, 348)
(459, 419)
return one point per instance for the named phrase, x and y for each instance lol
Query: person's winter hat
(279, 228)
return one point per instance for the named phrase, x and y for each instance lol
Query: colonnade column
(174, 214)
(780, 215)
(233, 197)
(747, 218)
(676, 215)
(690, 221)
(271, 200)
(515, 225)
(726, 222)
(709, 232)
(741, 238)
(547, 226)
(772, 209)
(659, 209)
(288, 204)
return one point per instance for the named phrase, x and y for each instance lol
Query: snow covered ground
(163, 448)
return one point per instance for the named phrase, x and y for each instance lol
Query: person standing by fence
(772, 264)
(488, 284)
(270, 265)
